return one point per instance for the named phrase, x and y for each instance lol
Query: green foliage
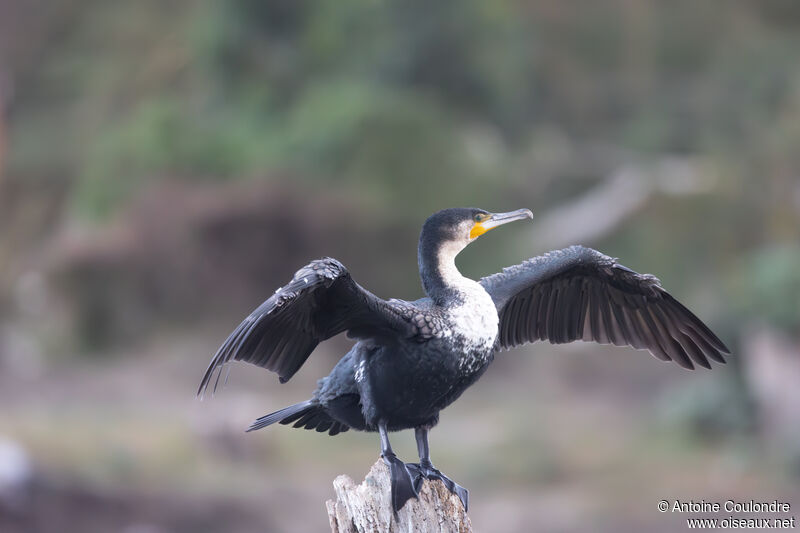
(409, 92)
(339, 93)
(163, 137)
(710, 410)
(411, 106)
(773, 282)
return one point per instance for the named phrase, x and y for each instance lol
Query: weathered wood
(366, 508)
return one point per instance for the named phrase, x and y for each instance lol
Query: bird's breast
(473, 324)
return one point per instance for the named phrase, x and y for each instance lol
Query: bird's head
(449, 231)
(459, 226)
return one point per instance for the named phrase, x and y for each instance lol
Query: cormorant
(413, 359)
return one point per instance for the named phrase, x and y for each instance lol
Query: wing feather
(319, 302)
(659, 344)
(533, 309)
(580, 294)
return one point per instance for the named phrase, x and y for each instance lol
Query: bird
(411, 359)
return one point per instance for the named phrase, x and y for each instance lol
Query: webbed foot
(425, 470)
(403, 488)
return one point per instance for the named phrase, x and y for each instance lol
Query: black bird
(413, 359)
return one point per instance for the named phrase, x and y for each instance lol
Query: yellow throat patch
(477, 230)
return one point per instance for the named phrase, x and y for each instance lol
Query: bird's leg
(425, 469)
(402, 487)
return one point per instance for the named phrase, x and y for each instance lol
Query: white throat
(446, 262)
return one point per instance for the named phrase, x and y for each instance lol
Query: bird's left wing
(321, 301)
(580, 294)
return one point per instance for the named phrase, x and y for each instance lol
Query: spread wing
(321, 301)
(580, 294)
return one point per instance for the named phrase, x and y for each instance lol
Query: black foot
(402, 486)
(425, 470)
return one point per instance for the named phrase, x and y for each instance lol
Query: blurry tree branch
(627, 190)
(366, 508)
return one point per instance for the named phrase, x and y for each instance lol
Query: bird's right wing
(321, 301)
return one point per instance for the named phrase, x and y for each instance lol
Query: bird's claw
(425, 470)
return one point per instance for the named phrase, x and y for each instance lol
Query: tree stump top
(367, 508)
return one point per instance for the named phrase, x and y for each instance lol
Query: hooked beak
(498, 219)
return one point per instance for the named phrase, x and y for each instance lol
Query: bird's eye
(480, 217)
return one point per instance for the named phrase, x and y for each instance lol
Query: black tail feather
(308, 414)
(284, 415)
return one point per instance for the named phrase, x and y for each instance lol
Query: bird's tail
(308, 415)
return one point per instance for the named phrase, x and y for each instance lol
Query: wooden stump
(367, 508)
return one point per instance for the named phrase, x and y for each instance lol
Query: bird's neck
(440, 278)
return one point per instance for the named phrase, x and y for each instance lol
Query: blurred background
(165, 165)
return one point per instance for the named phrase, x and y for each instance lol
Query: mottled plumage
(413, 359)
